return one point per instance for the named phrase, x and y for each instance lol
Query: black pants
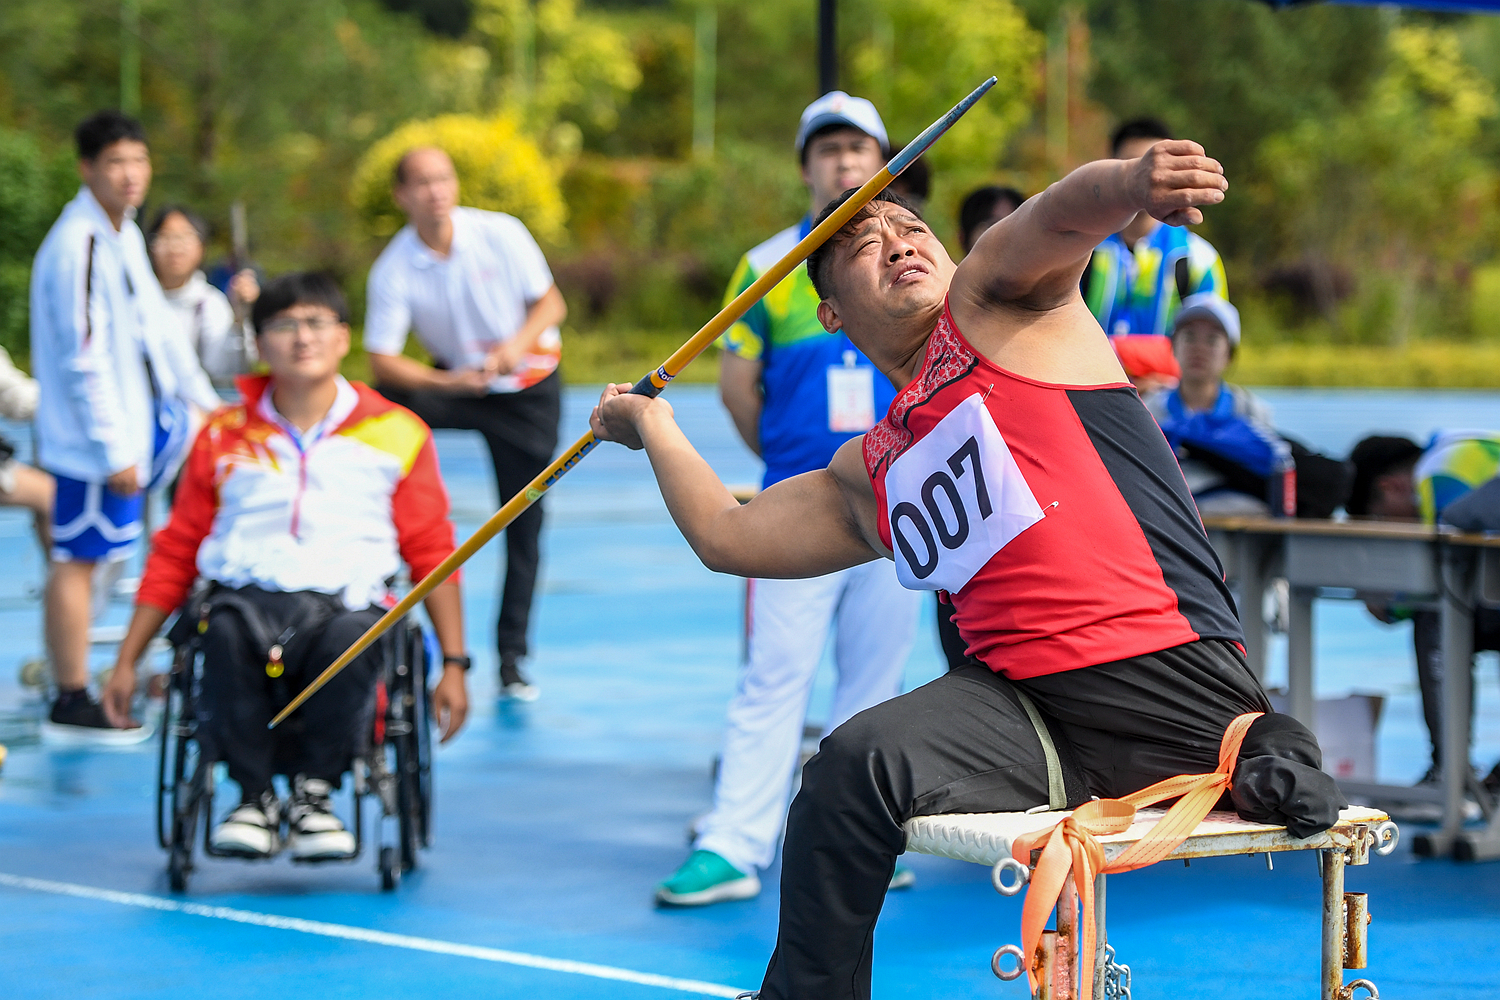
(1427, 637)
(238, 697)
(520, 429)
(955, 650)
(1477, 510)
(963, 743)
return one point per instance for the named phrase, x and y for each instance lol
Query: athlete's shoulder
(386, 426)
(764, 255)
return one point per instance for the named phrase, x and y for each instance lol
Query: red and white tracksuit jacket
(338, 516)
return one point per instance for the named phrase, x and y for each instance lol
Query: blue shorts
(92, 524)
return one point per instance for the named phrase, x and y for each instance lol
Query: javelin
(651, 385)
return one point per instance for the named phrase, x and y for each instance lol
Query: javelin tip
(933, 132)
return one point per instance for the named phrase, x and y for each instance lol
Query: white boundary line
(349, 933)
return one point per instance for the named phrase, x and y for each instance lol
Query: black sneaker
(77, 719)
(513, 684)
(314, 833)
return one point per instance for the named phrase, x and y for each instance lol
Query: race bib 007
(956, 497)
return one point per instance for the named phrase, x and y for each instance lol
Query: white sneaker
(314, 833)
(251, 831)
(513, 684)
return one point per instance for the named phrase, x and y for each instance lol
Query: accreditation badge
(851, 397)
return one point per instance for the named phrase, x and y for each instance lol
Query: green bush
(33, 188)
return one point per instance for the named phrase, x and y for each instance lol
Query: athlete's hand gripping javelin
(885, 283)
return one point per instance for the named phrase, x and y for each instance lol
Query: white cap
(838, 108)
(1210, 305)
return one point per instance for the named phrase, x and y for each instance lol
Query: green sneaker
(901, 878)
(706, 878)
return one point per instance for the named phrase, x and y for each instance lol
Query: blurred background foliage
(1362, 144)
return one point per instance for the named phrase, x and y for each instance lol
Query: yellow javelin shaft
(651, 385)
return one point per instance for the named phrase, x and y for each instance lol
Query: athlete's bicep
(800, 527)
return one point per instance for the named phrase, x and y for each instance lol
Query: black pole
(828, 46)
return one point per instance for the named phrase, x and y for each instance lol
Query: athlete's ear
(828, 315)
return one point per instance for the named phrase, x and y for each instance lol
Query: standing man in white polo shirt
(477, 290)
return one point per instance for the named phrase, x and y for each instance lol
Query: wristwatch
(464, 662)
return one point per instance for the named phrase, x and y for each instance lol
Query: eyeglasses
(287, 325)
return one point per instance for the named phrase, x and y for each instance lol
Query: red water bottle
(1281, 489)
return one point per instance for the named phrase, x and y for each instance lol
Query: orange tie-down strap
(1072, 844)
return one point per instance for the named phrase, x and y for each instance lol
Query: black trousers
(238, 698)
(520, 429)
(1427, 637)
(1477, 510)
(963, 743)
(955, 650)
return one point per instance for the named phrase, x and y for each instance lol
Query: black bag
(1323, 483)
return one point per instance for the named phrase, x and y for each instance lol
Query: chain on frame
(1116, 977)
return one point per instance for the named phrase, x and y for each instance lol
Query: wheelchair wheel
(179, 864)
(173, 759)
(424, 749)
(390, 868)
(413, 748)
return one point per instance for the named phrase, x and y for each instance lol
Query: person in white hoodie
(216, 325)
(118, 386)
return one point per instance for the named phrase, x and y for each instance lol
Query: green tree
(1394, 183)
(33, 188)
(557, 64)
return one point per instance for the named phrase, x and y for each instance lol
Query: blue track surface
(554, 820)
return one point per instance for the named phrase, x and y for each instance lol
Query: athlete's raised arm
(805, 526)
(1035, 256)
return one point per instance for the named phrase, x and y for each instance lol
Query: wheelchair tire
(390, 869)
(171, 760)
(408, 799)
(179, 864)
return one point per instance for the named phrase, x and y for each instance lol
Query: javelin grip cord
(651, 385)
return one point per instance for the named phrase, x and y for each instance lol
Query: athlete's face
(303, 344)
(838, 160)
(430, 191)
(888, 284)
(119, 176)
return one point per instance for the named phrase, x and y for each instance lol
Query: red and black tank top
(1055, 515)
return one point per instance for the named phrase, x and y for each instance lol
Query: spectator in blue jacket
(1222, 433)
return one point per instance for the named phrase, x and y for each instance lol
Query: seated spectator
(1140, 276)
(1455, 480)
(982, 209)
(21, 485)
(1222, 433)
(216, 325)
(297, 506)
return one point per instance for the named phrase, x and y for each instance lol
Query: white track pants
(875, 622)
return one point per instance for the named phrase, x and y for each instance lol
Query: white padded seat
(985, 838)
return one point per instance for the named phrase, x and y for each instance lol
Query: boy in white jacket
(118, 383)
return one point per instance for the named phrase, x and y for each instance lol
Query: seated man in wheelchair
(297, 507)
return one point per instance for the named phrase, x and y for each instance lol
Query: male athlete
(1018, 471)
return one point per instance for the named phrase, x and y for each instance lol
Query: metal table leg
(1460, 595)
(1333, 924)
(1250, 560)
(1299, 658)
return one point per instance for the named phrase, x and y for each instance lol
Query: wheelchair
(393, 764)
